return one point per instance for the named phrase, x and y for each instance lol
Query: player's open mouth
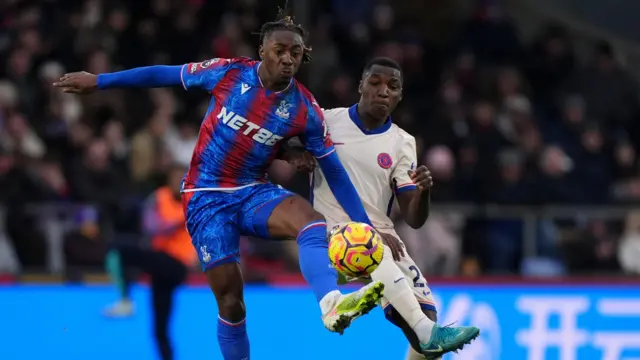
(287, 71)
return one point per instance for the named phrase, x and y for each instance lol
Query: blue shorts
(216, 219)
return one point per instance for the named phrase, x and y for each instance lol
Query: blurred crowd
(498, 120)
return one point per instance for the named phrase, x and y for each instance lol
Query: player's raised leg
(295, 217)
(279, 214)
(215, 236)
(400, 294)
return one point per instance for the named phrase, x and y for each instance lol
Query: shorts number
(416, 278)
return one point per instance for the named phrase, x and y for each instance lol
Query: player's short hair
(285, 21)
(382, 61)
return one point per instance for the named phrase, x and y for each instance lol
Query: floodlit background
(526, 112)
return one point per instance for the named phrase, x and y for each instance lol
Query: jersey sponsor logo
(244, 88)
(283, 110)
(247, 128)
(384, 160)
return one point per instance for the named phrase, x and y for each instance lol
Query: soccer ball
(355, 249)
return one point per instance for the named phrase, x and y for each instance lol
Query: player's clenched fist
(421, 177)
(78, 83)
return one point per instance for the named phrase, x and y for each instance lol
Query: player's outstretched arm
(204, 75)
(142, 77)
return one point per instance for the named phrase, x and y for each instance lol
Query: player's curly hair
(285, 21)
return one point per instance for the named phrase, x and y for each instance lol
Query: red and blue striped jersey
(245, 124)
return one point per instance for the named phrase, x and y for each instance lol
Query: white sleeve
(329, 115)
(408, 159)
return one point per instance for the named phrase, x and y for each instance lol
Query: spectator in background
(551, 61)
(97, 181)
(442, 234)
(594, 165)
(590, 247)
(167, 259)
(145, 147)
(629, 248)
(512, 187)
(625, 160)
(565, 133)
(18, 137)
(180, 142)
(118, 146)
(626, 188)
(610, 91)
(559, 180)
(491, 35)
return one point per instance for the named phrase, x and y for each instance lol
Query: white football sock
(399, 294)
(329, 301)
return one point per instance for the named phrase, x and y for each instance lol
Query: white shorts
(416, 281)
(412, 275)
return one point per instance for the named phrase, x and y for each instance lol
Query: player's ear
(360, 88)
(261, 52)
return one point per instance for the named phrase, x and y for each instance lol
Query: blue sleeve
(204, 75)
(142, 77)
(342, 188)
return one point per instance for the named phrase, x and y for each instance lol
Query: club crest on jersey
(283, 110)
(206, 257)
(384, 160)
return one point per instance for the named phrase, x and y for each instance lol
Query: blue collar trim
(355, 117)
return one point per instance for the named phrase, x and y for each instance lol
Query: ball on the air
(355, 249)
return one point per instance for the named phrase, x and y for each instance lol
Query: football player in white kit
(380, 159)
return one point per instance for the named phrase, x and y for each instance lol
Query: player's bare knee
(231, 307)
(304, 213)
(295, 213)
(314, 216)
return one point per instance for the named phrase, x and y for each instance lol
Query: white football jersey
(377, 162)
